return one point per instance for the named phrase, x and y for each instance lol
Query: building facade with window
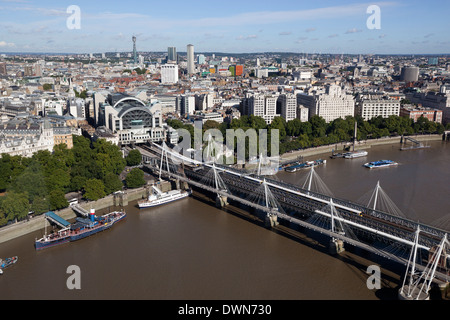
(133, 121)
(369, 107)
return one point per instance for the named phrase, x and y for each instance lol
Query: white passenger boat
(158, 197)
(355, 154)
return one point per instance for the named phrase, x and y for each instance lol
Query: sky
(231, 26)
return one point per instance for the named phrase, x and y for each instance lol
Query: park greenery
(92, 168)
(295, 134)
(40, 183)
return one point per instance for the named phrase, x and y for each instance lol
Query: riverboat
(304, 165)
(7, 263)
(82, 228)
(158, 197)
(380, 164)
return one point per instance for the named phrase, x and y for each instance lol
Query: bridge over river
(342, 220)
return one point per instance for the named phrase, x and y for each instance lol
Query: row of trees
(41, 182)
(295, 134)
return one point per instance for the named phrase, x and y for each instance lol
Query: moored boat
(82, 228)
(305, 165)
(158, 197)
(7, 263)
(355, 154)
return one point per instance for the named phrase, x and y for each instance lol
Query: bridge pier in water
(271, 221)
(221, 201)
(336, 246)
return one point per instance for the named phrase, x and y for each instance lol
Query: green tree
(57, 200)
(40, 205)
(112, 183)
(134, 158)
(210, 124)
(105, 149)
(77, 183)
(319, 126)
(5, 172)
(58, 180)
(31, 182)
(280, 124)
(293, 127)
(15, 206)
(94, 189)
(135, 178)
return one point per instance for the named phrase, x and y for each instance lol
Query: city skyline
(234, 27)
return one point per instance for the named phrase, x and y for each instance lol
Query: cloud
(381, 36)
(4, 44)
(429, 35)
(271, 17)
(252, 36)
(285, 33)
(353, 30)
(15, 1)
(333, 35)
(119, 36)
(41, 11)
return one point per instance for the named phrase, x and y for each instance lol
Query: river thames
(191, 250)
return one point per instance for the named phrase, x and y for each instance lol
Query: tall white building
(256, 105)
(190, 59)
(264, 106)
(187, 104)
(369, 107)
(270, 110)
(330, 105)
(77, 108)
(288, 106)
(169, 74)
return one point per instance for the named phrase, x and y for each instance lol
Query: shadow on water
(356, 259)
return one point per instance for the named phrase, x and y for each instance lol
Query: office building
(3, 68)
(172, 54)
(415, 112)
(187, 104)
(332, 104)
(190, 59)
(24, 137)
(436, 100)
(288, 106)
(409, 74)
(262, 105)
(201, 59)
(372, 106)
(169, 74)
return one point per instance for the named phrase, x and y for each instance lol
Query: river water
(191, 250)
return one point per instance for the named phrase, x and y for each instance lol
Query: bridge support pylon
(221, 201)
(271, 220)
(336, 246)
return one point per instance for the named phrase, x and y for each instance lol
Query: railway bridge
(343, 221)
